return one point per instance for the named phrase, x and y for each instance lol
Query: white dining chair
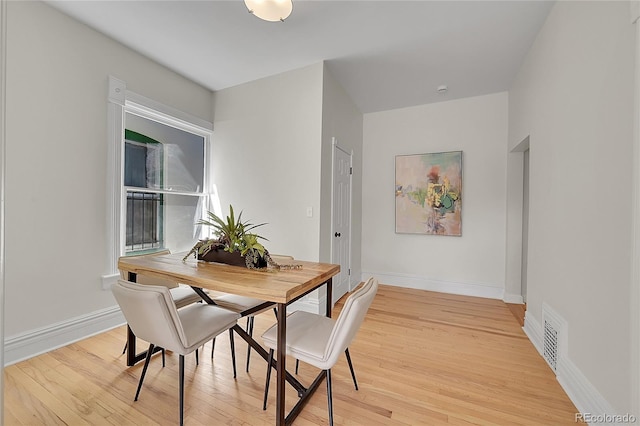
(152, 315)
(319, 340)
(181, 294)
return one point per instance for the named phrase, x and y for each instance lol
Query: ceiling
(386, 54)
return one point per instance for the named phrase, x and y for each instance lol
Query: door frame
(334, 147)
(3, 130)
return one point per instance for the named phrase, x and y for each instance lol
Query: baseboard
(423, 283)
(533, 330)
(513, 298)
(36, 342)
(311, 303)
(580, 391)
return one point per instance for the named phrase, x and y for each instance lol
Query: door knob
(337, 234)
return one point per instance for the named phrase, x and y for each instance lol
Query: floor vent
(555, 335)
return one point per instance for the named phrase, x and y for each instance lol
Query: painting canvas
(429, 193)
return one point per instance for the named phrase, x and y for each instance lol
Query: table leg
(306, 395)
(281, 364)
(329, 301)
(131, 338)
(131, 347)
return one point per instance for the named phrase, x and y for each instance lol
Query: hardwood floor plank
(421, 358)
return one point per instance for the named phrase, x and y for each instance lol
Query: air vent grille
(550, 350)
(554, 340)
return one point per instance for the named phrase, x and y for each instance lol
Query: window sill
(109, 280)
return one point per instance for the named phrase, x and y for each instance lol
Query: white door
(341, 220)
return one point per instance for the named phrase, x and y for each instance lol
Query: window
(164, 169)
(158, 187)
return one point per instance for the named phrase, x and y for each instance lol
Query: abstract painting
(429, 193)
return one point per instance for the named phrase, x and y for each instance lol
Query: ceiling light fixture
(270, 10)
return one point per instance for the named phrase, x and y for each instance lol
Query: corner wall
(342, 120)
(573, 98)
(473, 264)
(56, 152)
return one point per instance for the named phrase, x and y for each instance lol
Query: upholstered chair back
(349, 321)
(151, 313)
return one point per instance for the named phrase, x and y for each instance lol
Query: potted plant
(234, 243)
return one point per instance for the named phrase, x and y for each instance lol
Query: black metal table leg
(306, 395)
(281, 366)
(329, 301)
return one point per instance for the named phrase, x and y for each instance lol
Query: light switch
(309, 211)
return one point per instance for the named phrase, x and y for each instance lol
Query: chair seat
(193, 319)
(184, 295)
(241, 304)
(307, 336)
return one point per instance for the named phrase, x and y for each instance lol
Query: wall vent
(550, 350)
(554, 338)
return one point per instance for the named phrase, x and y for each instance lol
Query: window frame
(121, 102)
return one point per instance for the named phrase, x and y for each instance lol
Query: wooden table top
(280, 286)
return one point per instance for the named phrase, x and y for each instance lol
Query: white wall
(266, 157)
(280, 128)
(341, 120)
(473, 263)
(573, 97)
(56, 173)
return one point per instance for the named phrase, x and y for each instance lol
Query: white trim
(115, 202)
(120, 102)
(109, 280)
(164, 191)
(514, 225)
(117, 91)
(580, 391)
(513, 298)
(634, 297)
(533, 330)
(424, 283)
(352, 284)
(177, 117)
(45, 339)
(314, 303)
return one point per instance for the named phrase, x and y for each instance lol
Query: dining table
(281, 287)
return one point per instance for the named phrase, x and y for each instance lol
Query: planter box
(235, 258)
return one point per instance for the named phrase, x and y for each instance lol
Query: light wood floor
(518, 311)
(421, 358)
